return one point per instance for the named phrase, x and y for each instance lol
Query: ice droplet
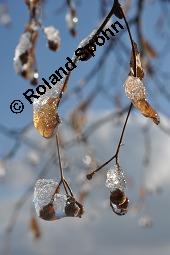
(115, 179)
(134, 89)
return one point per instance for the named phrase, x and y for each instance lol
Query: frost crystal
(134, 88)
(44, 195)
(43, 192)
(115, 179)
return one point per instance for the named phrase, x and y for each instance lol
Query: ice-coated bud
(121, 209)
(117, 197)
(115, 179)
(71, 20)
(53, 37)
(134, 88)
(51, 205)
(21, 51)
(72, 209)
(45, 116)
(48, 205)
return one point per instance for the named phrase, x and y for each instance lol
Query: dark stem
(122, 134)
(60, 165)
(131, 40)
(89, 176)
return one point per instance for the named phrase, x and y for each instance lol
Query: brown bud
(71, 209)
(89, 176)
(53, 45)
(117, 197)
(123, 207)
(47, 212)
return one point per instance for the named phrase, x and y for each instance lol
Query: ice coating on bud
(52, 93)
(120, 209)
(45, 116)
(71, 20)
(53, 37)
(59, 205)
(43, 192)
(134, 88)
(23, 47)
(115, 179)
(47, 205)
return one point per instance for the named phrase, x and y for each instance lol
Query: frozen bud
(135, 91)
(134, 88)
(121, 209)
(45, 117)
(72, 209)
(43, 195)
(22, 51)
(48, 203)
(53, 38)
(115, 179)
(71, 20)
(117, 197)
